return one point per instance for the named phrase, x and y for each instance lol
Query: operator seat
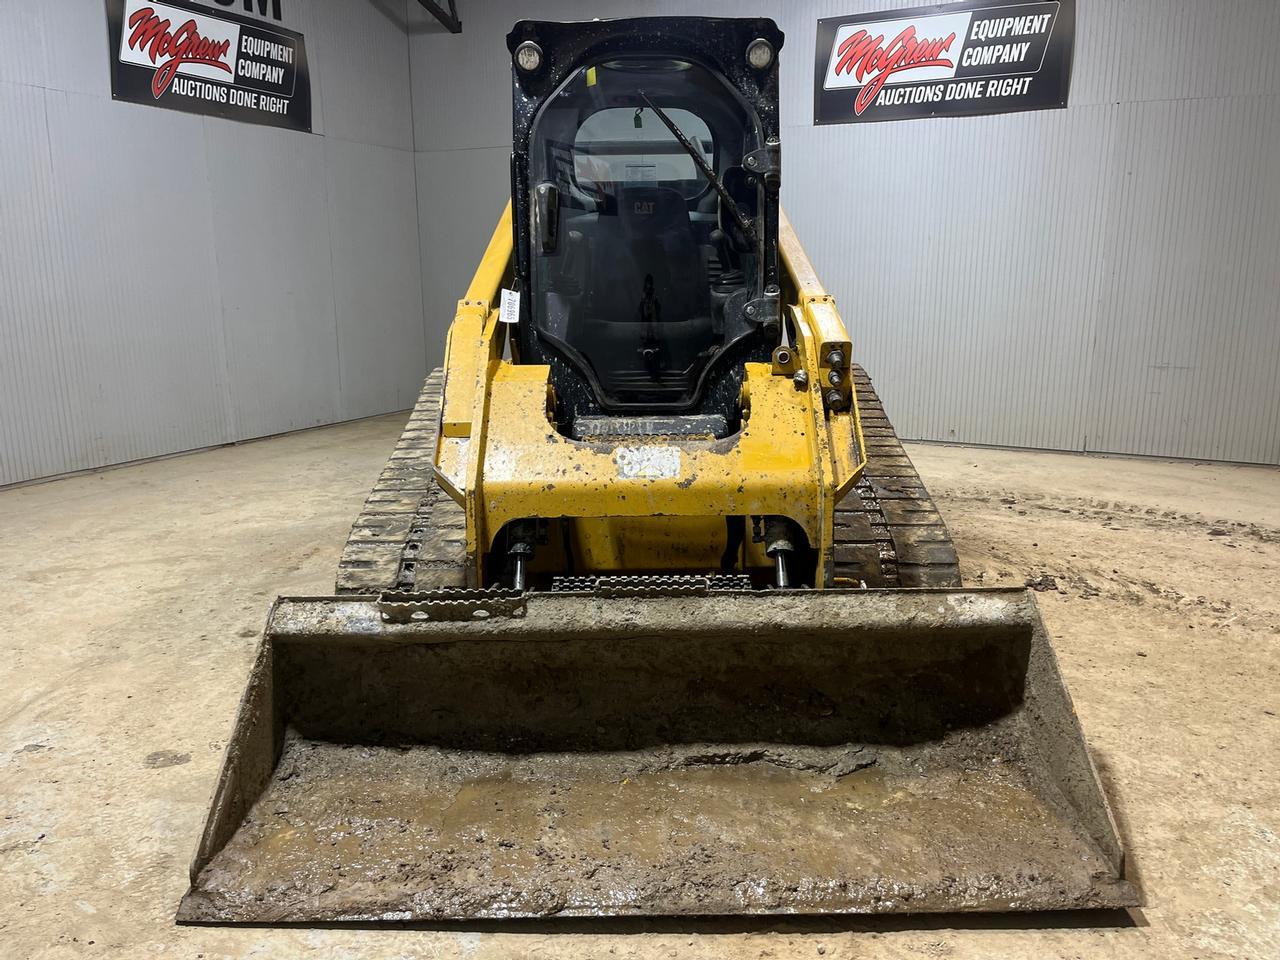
(649, 234)
(646, 234)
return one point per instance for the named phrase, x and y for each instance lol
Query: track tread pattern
(410, 534)
(887, 531)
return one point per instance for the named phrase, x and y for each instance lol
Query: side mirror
(546, 217)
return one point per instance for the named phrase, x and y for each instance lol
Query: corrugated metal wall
(1105, 277)
(1102, 278)
(168, 281)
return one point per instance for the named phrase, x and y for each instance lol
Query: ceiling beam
(447, 17)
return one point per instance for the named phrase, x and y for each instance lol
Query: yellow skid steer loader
(649, 613)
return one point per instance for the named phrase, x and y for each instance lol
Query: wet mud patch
(1115, 514)
(421, 833)
(165, 758)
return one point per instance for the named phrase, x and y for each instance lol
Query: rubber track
(888, 532)
(410, 534)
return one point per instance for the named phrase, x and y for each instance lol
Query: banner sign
(185, 56)
(948, 60)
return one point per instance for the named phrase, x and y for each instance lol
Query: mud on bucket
(818, 752)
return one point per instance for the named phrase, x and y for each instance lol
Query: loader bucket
(584, 755)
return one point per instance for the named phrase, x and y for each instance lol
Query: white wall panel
(35, 428)
(359, 53)
(1187, 360)
(461, 194)
(1103, 277)
(74, 44)
(170, 282)
(377, 296)
(946, 270)
(316, 21)
(132, 215)
(271, 233)
(1174, 50)
(461, 82)
(22, 25)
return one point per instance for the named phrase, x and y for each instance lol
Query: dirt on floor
(135, 598)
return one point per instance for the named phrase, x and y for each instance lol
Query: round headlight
(528, 56)
(760, 53)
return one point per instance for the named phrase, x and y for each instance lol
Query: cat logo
(644, 207)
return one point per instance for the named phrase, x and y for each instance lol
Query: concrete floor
(134, 600)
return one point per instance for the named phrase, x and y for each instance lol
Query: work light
(528, 56)
(759, 53)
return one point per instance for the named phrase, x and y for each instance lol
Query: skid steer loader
(649, 613)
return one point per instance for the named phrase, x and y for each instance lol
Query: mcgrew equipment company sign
(954, 59)
(190, 57)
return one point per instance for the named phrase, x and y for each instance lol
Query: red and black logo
(183, 56)
(955, 59)
(169, 47)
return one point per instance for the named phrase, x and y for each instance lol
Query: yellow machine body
(557, 676)
(647, 504)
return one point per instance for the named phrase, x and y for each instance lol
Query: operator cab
(647, 244)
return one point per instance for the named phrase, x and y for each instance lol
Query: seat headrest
(652, 209)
